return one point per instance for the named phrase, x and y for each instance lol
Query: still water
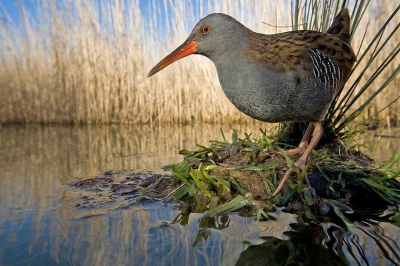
(40, 223)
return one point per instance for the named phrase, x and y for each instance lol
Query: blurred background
(86, 62)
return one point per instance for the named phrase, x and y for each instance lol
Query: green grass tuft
(245, 172)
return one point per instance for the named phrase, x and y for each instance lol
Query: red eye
(205, 29)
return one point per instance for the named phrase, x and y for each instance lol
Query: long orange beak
(185, 49)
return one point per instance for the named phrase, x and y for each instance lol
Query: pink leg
(317, 135)
(303, 143)
(318, 131)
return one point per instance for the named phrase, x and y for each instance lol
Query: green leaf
(223, 135)
(260, 213)
(235, 137)
(340, 214)
(232, 205)
(389, 163)
(184, 152)
(195, 175)
(307, 196)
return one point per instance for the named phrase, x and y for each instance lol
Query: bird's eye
(205, 29)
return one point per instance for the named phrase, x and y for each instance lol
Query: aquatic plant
(229, 176)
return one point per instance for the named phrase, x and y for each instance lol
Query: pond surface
(40, 223)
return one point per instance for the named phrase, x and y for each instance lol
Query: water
(40, 223)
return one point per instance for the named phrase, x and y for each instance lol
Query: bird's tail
(341, 26)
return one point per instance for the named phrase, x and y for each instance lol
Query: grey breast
(273, 96)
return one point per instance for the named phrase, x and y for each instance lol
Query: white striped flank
(326, 69)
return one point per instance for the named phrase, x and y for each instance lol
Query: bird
(284, 77)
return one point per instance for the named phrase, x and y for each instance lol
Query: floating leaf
(233, 205)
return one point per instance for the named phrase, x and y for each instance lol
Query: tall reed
(78, 62)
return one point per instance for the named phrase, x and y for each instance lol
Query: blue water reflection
(41, 224)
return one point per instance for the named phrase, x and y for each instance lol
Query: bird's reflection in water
(217, 222)
(303, 247)
(361, 242)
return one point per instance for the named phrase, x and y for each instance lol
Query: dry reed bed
(81, 63)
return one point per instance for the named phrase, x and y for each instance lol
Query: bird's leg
(318, 131)
(317, 135)
(303, 143)
(283, 181)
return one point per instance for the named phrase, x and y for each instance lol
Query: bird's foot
(288, 153)
(300, 164)
(303, 145)
(317, 130)
(298, 150)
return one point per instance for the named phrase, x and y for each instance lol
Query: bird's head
(212, 37)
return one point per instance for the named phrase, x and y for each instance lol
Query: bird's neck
(234, 46)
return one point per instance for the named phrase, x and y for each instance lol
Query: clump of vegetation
(230, 176)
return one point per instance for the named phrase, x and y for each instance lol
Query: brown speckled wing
(284, 51)
(315, 51)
